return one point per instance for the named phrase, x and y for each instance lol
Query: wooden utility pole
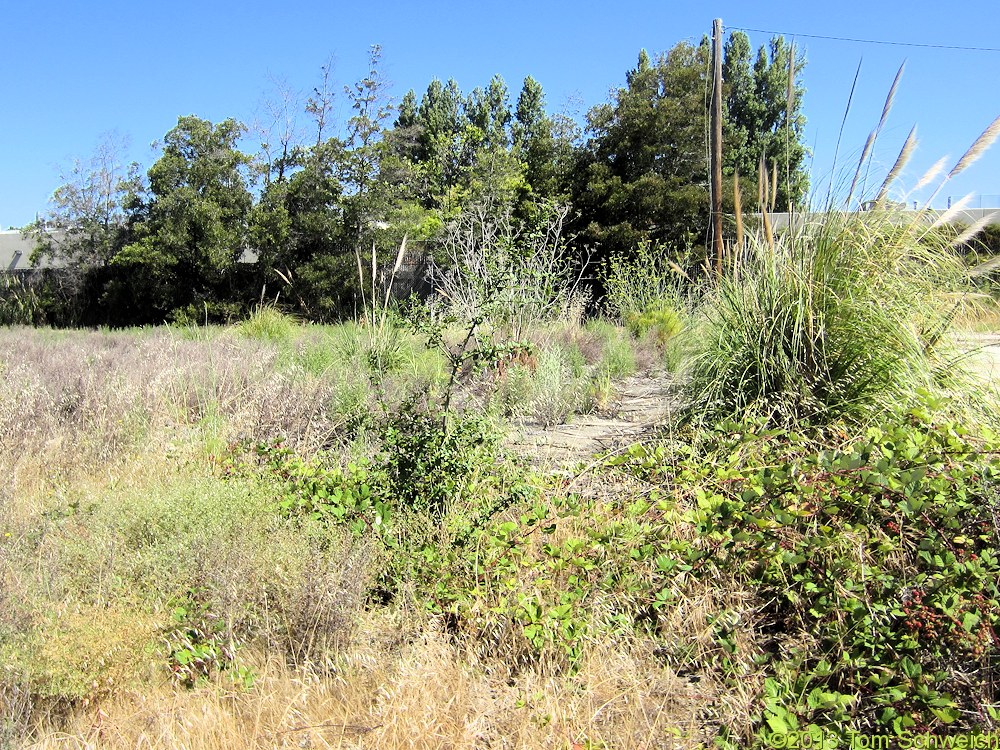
(716, 143)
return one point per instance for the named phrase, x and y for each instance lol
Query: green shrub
(383, 349)
(574, 359)
(197, 644)
(647, 280)
(873, 569)
(205, 313)
(19, 302)
(352, 400)
(318, 489)
(660, 318)
(430, 462)
(425, 464)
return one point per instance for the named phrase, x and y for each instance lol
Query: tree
(320, 104)
(340, 202)
(299, 226)
(437, 153)
(439, 116)
(372, 107)
(86, 225)
(278, 132)
(489, 112)
(301, 216)
(312, 220)
(407, 117)
(193, 226)
(534, 141)
(762, 122)
(642, 176)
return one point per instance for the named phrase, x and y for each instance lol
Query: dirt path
(641, 403)
(644, 401)
(983, 354)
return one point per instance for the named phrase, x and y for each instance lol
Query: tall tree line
(308, 206)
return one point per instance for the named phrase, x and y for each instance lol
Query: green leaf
(947, 715)
(910, 668)
(778, 724)
(970, 621)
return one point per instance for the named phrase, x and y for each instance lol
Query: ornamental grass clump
(841, 315)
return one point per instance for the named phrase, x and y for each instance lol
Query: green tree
(301, 217)
(439, 115)
(440, 123)
(643, 174)
(310, 223)
(489, 112)
(761, 119)
(534, 141)
(193, 224)
(407, 116)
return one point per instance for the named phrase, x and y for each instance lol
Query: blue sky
(72, 71)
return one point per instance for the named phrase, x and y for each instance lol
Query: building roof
(15, 252)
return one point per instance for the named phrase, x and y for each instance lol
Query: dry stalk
(904, 156)
(864, 163)
(762, 193)
(978, 148)
(974, 229)
(956, 208)
(930, 175)
(738, 211)
(840, 134)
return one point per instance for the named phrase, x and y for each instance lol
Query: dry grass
(414, 694)
(978, 313)
(107, 526)
(82, 404)
(116, 511)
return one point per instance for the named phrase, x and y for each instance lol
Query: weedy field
(240, 537)
(284, 535)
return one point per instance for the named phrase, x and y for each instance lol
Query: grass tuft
(837, 320)
(269, 324)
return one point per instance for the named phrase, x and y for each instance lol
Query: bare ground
(982, 354)
(645, 401)
(641, 403)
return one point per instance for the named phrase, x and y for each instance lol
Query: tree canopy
(643, 173)
(191, 227)
(312, 202)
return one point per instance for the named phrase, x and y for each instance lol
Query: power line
(868, 41)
